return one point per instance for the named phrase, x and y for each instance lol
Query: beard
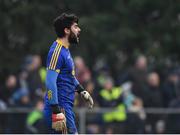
(73, 39)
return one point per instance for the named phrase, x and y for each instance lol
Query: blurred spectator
(9, 88)
(102, 71)
(111, 97)
(137, 73)
(171, 87)
(101, 78)
(16, 95)
(153, 84)
(83, 74)
(13, 95)
(154, 100)
(34, 78)
(23, 80)
(128, 96)
(136, 118)
(35, 121)
(137, 76)
(137, 90)
(20, 99)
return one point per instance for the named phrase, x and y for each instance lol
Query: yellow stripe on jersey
(58, 70)
(56, 59)
(55, 55)
(60, 42)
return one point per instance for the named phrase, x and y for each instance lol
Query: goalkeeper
(61, 82)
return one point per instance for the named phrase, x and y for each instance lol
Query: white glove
(87, 97)
(59, 122)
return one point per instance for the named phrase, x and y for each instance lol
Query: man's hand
(58, 119)
(59, 122)
(87, 97)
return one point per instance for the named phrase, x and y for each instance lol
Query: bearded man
(61, 82)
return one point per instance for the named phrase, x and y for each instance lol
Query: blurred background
(128, 59)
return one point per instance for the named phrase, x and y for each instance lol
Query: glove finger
(55, 126)
(91, 103)
(64, 127)
(59, 126)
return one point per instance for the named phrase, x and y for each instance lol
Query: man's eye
(76, 26)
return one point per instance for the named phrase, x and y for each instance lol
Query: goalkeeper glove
(58, 119)
(85, 95)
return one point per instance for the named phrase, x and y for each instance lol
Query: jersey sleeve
(55, 59)
(51, 86)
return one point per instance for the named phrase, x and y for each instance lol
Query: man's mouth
(78, 35)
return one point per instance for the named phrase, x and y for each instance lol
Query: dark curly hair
(64, 21)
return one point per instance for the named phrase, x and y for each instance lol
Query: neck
(64, 41)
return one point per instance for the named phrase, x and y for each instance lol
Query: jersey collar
(60, 43)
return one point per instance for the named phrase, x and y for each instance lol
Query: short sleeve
(55, 59)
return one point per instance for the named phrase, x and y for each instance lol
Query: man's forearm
(52, 87)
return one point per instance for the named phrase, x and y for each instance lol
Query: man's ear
(67, 31)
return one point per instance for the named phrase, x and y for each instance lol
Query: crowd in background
(134, 89)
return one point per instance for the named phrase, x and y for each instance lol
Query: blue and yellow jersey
(59, 59)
